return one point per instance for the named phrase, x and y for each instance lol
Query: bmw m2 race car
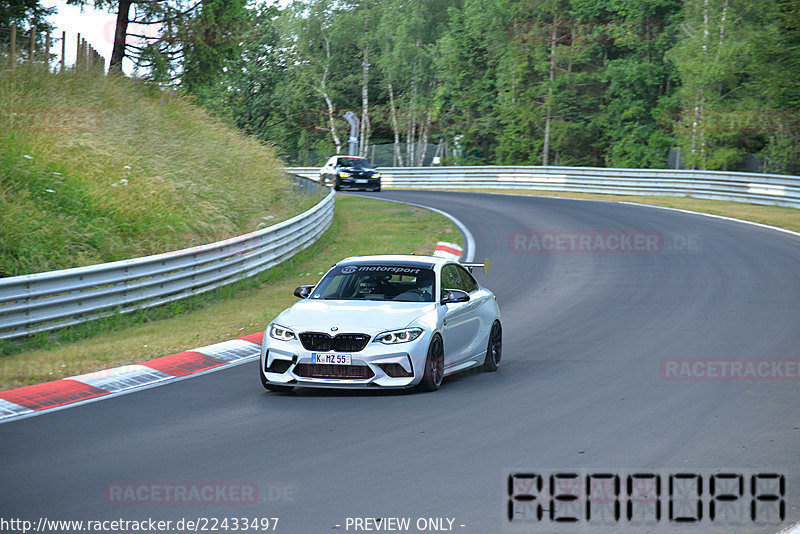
(350, 172)
(384, 322)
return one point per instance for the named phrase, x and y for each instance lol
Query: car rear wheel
(272, 387)
(495, 348)
(434, 366)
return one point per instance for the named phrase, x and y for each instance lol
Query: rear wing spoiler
(485, 266)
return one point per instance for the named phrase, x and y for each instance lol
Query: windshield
(377, 282)
(354, 162)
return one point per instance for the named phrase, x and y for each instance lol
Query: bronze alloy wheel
(434, 366)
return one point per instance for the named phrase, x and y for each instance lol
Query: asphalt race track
(591, 338)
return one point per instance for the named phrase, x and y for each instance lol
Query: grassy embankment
(96, 169)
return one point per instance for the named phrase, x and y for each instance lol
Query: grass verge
(212, 318)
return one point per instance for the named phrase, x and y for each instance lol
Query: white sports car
(383, 322)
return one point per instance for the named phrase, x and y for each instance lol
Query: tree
(781, 83)
(720, 60)
(25, 12)
(156, 54)
(552, 86)
(406, 57)
(259, 92)
(211, 40)
(639, 103)
(467, 58)
(554, 82)
(317, 55)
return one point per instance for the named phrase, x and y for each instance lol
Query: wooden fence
(23, 49)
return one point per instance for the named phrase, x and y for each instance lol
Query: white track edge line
(630, 203)
(713, 216)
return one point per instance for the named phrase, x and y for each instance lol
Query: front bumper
(376, 366)
(360, 182)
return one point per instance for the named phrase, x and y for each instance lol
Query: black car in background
(350, 172)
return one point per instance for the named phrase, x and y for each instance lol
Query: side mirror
(452, 296)
(303, 292)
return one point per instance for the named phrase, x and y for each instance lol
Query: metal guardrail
(767, 189)
(47, 301)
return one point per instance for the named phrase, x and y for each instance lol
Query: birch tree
(717, 57)
(311, 27)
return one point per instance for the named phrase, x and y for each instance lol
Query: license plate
(336, 359)
(361, 181)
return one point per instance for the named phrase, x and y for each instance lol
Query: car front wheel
(434, 366)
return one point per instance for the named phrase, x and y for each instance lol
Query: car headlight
(399, 336)
(344, 175)
(376, 175)
(281, 333)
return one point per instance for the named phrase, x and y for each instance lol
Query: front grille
(350, 342)
(322, 342)
(318, 341)
(326, 370)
